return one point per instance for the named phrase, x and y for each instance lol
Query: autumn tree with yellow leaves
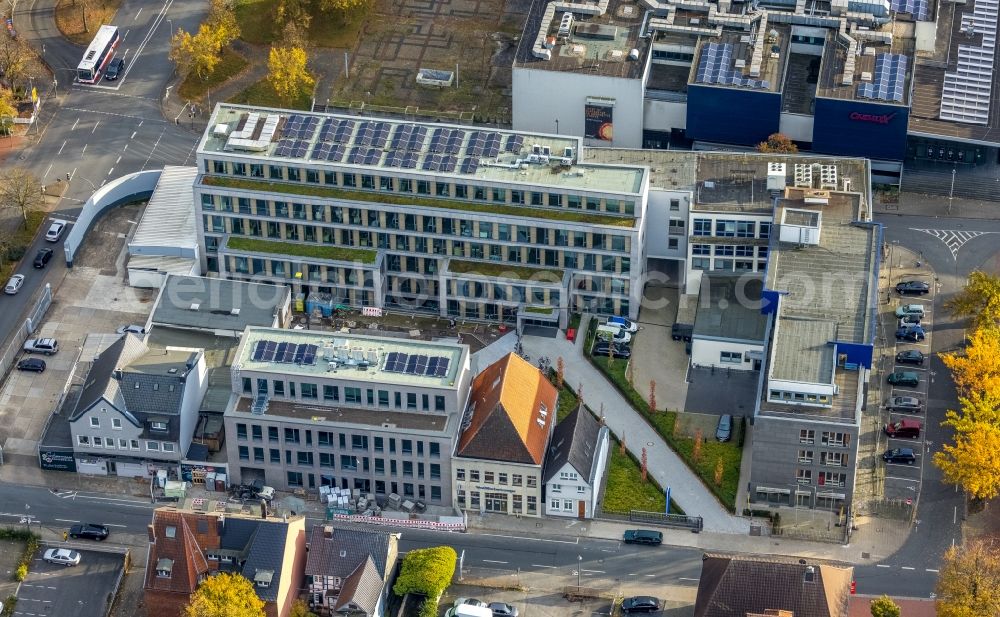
(980, 300)
(969, 581)
(201, 52)
(225, 595)
(288, 74)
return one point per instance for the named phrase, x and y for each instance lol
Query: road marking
(74, 124)
(119, 159)
(931, 570)
(592, 571)
(536, 565)
(126, 53)
(491, 535)
(95, 127)
(46, 174)
(66, 520)
(633, 574)
(914, 480)
(688, 579)
(111, 170)
(61, 148)
(137, 14)
(73, 175)
(125, 36)
(649, 575)
(494, 561)
(114, 525)
(881, 565)
(85, 148)
(133, 135)
(125, 148)
(907, 568)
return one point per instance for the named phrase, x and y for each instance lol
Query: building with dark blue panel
(731, 116)
(856, 128)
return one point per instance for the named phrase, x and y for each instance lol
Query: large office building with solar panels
(375, 414)
(889, 80)
(455, 221)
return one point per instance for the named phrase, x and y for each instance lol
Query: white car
(137, 330)
(55, 231)
(62, 556)
(14, 284)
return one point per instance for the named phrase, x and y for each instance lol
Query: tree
(884, 607)
(972, 461)
(225, 595)
(301, 609)
(14, 58)
(969, 582)
(976, 369)
(980, 299)
(288, 73)
(201, 52)
(344, 7)
(427, 571)
(20, 190)
(8, 111)
(778, 144)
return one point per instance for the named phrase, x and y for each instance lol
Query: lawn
(625, 489)
(19, 243)
(263, 95)
(194, 88)
(316, 251)
(683, 444)
(258, 25)
(73, 15)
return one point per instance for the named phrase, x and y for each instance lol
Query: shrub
(427, 571)
(21, 573)
(8, 605)
(429, 608)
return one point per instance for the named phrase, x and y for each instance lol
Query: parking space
(910, 320)
(85, 590)
(657, 357)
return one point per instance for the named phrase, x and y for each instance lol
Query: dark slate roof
(257, 303)
(237, 533)
(362, 589)
(737, 585)
(574, 441)
(266, 552)
(100, 382)
(357, 545)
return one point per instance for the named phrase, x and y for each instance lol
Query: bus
(101, 49)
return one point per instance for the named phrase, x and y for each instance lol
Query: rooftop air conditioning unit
(695, 21)
(866, 76)
(740, 63)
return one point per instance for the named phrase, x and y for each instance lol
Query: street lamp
(171, 22)
(579, 572)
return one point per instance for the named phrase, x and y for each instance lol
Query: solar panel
(514, 143)
(448, 163)
(390, 361)
(432, 363)
(411, 365)
(309, 356)
(410, 160)
(329, 129)
(344, 131)
(421, 367)
(889, 79)
(439, 140)
(716, 66)
(442, 367)
(372, 156)
(416, 141)
(454, 145)
(432, 162)
(402, 136)
(917, 8)
(476, 143)
(258, 351)
(269, 351)
(470, 165)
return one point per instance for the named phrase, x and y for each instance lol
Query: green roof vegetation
(541, 310)
(505, 270)
(413, 200)
(294, 249)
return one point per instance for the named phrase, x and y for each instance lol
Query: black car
(640, 604)
(910, 356)
(42, 257)
(910, 333)
(618, 350)
(89, 531)
(913, 287)
(115, 68)
(899, 456)
(642, 536)
(31, 364)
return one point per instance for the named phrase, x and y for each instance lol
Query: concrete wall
(664, 115)
(707, 352)
(123, 190)
(194, 390)
(798, 127)
(658, 217)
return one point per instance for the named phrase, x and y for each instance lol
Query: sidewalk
(664, 464)
(916, 204)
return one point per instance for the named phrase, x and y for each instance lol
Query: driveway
(655, 357)
(86, 590)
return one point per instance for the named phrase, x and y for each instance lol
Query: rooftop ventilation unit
(195, 306)
(566, 25)
(775, 176)
(803, 176)
(866, 76)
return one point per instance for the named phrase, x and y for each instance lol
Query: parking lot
(902, 480)
(86, 590)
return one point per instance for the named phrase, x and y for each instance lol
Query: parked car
(615, 333)
(55, 231)
(618, 350)
(904, 378)
(910, 309)
(904, 429)
(115, 69)
(32, 364)
(469, 610)
(89, 531)
(139, 330)
(642, 536)
(913, 287)
(899, 456)
(468, 601)
(911, 333)
(625, 324)
(502, 609)
(47, 346)
(14, 284)
(724, 429)
(42, 257)
(640, 604)
(909, 319)
(681, 331)
(62, 556)
(910, 356)
(910, 404)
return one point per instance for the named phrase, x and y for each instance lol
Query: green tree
(201, 52)
(427, 571)
(300, 609)
(778, 144)
(969, 581)
(344, 7)
(288, 74)
(8, 111)
(980, 299)
(20, 190)
(225, 595)
(14, 58)
(884, 607)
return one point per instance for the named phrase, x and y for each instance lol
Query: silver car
(62, 556)
(14, 284)
(910, 404)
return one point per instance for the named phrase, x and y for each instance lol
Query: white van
(613, 332)
(468, 610)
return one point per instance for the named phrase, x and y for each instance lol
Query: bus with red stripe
(97, 56)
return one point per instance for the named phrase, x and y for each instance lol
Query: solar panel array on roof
(326, 151)
(338, 131)
(470, 165)
(440, 162)
(292, 148)
(492, 148)
(300, 127)
(476, 143)
(716, 67)
(398, 158)
(514, 143)
(284, 353)
(409, 137)
(448, 141)
(889, 79)
(364, 156)
(416, 364)
(968, 90)
(917, 8)
(373, 134)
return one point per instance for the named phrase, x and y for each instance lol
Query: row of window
(496, 478)
(827, 438)
(823, 478)
(419, 223)
(562, 505)
(557, 488)
(116, 424)
(827, 459)
(727, 265)
(347, 462)
(784, 396)
(426, 188)
(117, 443)
(327, 439)
(497, 502)
(731, 228)
(386, 399)
(729, 250)
(298, 479)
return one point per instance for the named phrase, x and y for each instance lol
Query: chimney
(151, 532)
(220, 524)
(328, 531)
(810, 575)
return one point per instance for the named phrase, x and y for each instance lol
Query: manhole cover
(649, 443)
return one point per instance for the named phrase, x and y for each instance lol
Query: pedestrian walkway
(917, 204)
(664, 465)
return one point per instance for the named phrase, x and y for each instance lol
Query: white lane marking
(74, 124)
(492, 535)
(931, 570)
(125, 36)
(95, 127)
(114, 525)
(111, 170)
(119, 159)
(61, 148)
(125, 148)
(65, 520)
(688, 579)
(73, 175)
(85, 148)
(137, 14)
(907, 568)
(133, 135)
(592, 571)
(882, 565)
(126, 53)
(46, 174)
(536, 565)
(494, 561)
(649, 575)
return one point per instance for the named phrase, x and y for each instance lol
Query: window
(473, 475)
(532, 504)
(676, 227)
(765, 230)
(275, 455)
(803, 476)
(833, 459)
(359, 442)
(839, 440)
(83, 440)
(702, 227)
(379, 444)
(291, 435)
(123, 444)
(294, 478)
(133, 444)
(304, 458)
(725, 229)
(435, 471)
(730, 357)
(439, 403)
(309, 390)
(805, 456)
(673, 244)
(568, 475)
(244, 453)
(95, 422)
(516, 479)
(807, 435)
(153, 446)
(408, 468)
(832, 477)
(532, 482)
(164, 566)
(241, 431)
(407, 446)
(501, 477)
(258, 453)
(257, 431)
(157, 425)
(746, 229)
(557, 488)
(488, 477)
(435, 450)
(555, 503)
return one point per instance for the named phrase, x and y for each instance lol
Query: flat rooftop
(318, 414)
(217, 304)
(668, 169)
(725, 61)
(380, 360)
(434, 150)
(598, 44)
(729, 308)
(161, 361)
(882, 73)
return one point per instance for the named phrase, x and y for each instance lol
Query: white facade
(728, 354)
(570, 494)
(667, 224)
(496, 486)
(740, 256)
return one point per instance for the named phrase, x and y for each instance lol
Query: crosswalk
(954, 239)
